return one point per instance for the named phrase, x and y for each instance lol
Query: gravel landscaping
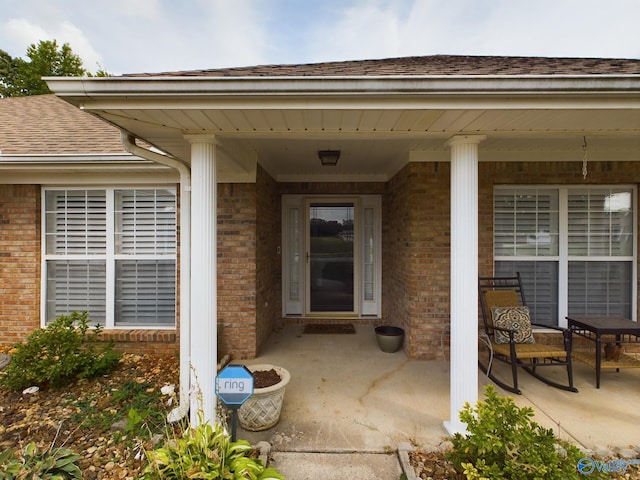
(112, 419)
(91, 417)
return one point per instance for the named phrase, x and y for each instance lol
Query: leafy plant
(58, 354)
(31, 463)
(206, 451)
(137, 402)
(505, 443)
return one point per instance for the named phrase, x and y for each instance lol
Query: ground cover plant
(206, 451)
(34, 463)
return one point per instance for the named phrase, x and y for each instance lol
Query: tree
(19, 77)
(8, 72)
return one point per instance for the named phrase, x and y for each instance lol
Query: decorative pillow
(513, 318)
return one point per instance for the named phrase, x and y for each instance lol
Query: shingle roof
(429, 65)
(45, 124)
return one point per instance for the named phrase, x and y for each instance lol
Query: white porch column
(204, 297)
(464, 277)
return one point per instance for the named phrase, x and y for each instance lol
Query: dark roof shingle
(428, 65)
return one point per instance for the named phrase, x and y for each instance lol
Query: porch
(240, 137)
(346, 395)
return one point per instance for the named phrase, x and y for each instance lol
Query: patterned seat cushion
(513, 318)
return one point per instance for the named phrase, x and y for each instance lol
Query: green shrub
(504, 442)
(206, 452)
(31, 463)
(58, 354)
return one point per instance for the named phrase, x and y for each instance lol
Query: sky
(134, 36)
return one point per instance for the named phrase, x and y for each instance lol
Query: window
(573, 246)
(111, 252)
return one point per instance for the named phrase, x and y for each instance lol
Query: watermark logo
(586, 465)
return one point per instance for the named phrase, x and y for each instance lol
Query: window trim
(563, 258)
(110, 256)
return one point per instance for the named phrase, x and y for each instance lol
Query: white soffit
(378, 123)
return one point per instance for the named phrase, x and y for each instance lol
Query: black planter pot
(389, 338)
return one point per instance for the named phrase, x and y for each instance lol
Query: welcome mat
(329, 328)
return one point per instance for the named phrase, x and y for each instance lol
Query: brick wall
(416, 266)
(20, 272)
(416, 242)
(415, 251)
(236, 270)
(19, 261)
(140, 342)
(269, 261)
(396, 252)
(532, 173)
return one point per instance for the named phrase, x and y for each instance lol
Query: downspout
(128, 142)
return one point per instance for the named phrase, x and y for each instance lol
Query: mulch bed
(51, 418)
(47, 417)
(433, 466)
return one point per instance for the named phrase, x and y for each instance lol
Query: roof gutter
(128, 142)
(168, 87)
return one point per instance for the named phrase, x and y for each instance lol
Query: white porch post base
(464, 277)
(203, 279)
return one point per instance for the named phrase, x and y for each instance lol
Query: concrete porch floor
(346, 395)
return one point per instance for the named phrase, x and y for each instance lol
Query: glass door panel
(330, 257)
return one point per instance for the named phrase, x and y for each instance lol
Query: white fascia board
(127, 91)
(24, 159)
(85, 178)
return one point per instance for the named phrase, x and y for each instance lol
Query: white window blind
(76, 285)
(145, 292)
(75, 222)
(540, 284)
(112, 245)
(526, 223)
(600, 223)
(600, 288)
(145, 222)
(580, 265)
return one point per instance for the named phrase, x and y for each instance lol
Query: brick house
(449, 167)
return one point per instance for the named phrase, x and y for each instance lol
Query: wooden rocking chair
(511, 337)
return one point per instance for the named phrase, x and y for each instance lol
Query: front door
(331, 257)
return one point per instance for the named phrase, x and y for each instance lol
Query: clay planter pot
(389, 338)
(262, 410)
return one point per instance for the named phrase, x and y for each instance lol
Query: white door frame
(367, 254)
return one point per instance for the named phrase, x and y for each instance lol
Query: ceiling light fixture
(329, 158)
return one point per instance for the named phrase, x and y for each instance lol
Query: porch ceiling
(375, 144)
(377, 130)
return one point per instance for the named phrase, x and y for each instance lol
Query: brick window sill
(157, 336)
